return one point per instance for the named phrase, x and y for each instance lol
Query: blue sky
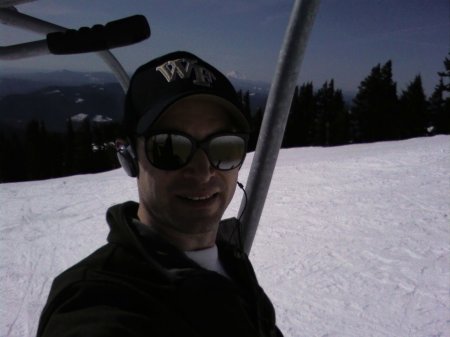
(349, 37)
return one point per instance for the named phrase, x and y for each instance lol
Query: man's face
(190, 200)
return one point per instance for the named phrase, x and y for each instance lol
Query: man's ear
(127, 157)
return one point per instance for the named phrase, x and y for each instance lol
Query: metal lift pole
(276, 115)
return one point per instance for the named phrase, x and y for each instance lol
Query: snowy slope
(354, 240)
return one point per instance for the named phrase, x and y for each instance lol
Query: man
(168, 268)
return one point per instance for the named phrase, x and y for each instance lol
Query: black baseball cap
(163, 81)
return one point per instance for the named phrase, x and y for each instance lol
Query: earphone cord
(239, 227)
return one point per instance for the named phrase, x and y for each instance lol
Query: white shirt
(207, 258)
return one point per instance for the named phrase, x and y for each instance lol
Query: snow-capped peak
(236, 75)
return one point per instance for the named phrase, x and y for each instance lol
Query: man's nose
(200, 167)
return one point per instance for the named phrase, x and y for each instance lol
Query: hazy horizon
(346, 42)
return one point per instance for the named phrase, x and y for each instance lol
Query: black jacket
(142, 286)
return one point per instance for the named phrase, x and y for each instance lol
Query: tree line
(40, 154)
(377, 113)
(318, 117)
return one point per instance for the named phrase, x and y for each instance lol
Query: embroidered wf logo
(186, 68)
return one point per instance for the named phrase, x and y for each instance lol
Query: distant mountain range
(25, 82)
(53, 97)
(56, 96)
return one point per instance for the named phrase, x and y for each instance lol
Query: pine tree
(256, 121)
(301, 115)
(320, 125)
(375, 105)
(49, 153)
(331, 119)
(445, 114)
(55, 156)
(12, 158)
(246, 103)
(445, 75)
(439, 111)
(292, 133)
(340, 123)
(413, 110)
(82, 154)
(33, 151)
(439, 103)
(307, 106)
(4, 160)
(43, 152)
(68, 164)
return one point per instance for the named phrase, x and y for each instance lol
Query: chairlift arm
(61, 40)
(23, 50)
(10, 3)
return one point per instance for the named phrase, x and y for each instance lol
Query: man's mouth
(199, 197)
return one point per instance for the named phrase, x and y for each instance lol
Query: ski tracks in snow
(46, 226)
(353, 240)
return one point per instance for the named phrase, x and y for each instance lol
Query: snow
(79, 117)
(354, 240)
(101, 119)
(53, 92)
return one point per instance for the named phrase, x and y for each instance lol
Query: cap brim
(152, 115)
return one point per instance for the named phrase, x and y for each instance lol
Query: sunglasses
(172, 150)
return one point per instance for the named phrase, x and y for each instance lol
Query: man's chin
(198, 223)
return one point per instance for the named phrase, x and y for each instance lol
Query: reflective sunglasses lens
(168, 151)
(226, 152)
